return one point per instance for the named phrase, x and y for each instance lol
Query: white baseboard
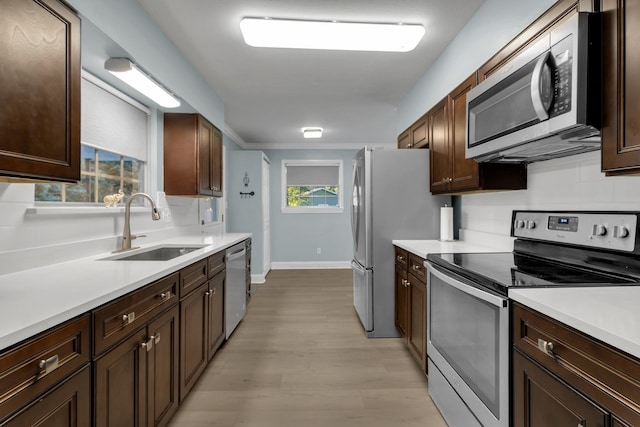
(310, 265)
(258, 278)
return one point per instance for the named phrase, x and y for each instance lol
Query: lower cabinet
(411, 303)
(67, 405)
(201, 330)
(563, 377)
(136, 383)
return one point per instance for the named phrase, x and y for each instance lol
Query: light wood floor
(300, 358)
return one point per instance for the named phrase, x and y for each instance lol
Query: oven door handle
(467, 289)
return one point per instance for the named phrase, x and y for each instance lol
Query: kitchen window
(312, 186)
(114, 134)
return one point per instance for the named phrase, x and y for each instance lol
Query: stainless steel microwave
(544, 103)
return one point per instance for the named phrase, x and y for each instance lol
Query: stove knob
(620, 232)
(519, 224)
(531, 224)
(599, 230)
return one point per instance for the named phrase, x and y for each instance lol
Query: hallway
(300, 358)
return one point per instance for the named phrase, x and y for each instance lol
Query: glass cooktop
(502, 270)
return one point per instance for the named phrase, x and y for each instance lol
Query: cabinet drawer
(217, 263)
(600, 371)
(402, 257)
(192, 276)
(416, 267)
(33, 367)
(114, 321)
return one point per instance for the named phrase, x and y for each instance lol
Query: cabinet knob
(546, 347)
(148, 345)
(48, 365)
(165, 296)
(400, 258)
(416, 267)
(128, 318)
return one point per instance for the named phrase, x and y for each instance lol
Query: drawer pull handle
(165, 296)
(48, 365)
(416, 267)
(148, 345)
(156, 338)
(400, 258)
(128, 318)
(545, 346)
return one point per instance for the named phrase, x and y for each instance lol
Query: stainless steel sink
(159, 253)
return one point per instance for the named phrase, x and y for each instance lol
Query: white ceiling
(271, 94)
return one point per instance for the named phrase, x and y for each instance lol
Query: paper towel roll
(446, 223)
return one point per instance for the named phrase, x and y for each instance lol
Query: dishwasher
(235, 296)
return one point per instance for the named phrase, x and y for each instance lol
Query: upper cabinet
(416, 136)
(192, 156)
(450, 171)
(40, 87)
(621, 88)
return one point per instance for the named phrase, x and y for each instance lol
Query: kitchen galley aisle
(301, 358)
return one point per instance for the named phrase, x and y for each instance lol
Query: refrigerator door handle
(355, 207)
(358, 267)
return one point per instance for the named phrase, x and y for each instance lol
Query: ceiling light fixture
(330, 35)
(129, 73)
(312, 132)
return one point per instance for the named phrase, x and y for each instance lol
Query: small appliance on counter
(468, 341)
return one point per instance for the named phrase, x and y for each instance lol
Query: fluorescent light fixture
(312, 132)
(331, 35)
(129, 73)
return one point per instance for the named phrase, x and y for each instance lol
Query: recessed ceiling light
(129, 73)
(312, 132)
(299, 34)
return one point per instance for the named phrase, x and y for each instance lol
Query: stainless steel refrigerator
(390, 201)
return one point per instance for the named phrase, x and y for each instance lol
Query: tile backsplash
(569, 183)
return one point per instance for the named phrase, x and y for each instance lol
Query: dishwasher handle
(235, 255)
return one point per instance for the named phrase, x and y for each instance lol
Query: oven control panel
(611, 231)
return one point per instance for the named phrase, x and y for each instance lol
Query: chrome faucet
(127, 237)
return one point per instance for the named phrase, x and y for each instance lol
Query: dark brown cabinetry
(136, 379)
(563, 377)
(201, 320)
(621, 88)
(450, 171)
(40, 86)
(192, 156)
(30, 369)
(416, 136)
(404, 139)
(67, 405)
(411, 303)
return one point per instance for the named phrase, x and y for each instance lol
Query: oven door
(468, 342)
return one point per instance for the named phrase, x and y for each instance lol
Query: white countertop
(424, 247)
(609, 314)
(32, 301)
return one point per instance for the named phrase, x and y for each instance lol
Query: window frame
(312, 209)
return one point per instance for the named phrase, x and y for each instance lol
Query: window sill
(310, 210)
(81, 210)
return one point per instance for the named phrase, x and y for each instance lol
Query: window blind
(313, 175)
(111, 124)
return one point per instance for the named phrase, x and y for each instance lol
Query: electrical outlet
(166, 215)
(318, 251)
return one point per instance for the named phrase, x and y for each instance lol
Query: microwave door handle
(536, 90)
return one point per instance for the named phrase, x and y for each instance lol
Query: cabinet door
(205, 147)
(621, 64)
(216, 163)
(216, 314)
(404, 139)
(162, 362)
(419, 137)
(194, 330)
(542, 400)
(439, 154)
(40, 87)
(464, 171)
(120, 384)
(401, 301)
(417, 338)
(67, 405)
